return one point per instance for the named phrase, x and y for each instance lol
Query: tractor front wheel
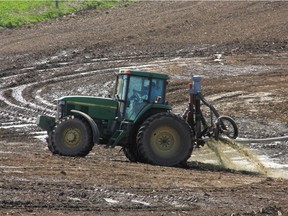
(71, 137)
(49, 142)
(165, 139)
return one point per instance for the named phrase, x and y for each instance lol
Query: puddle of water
(17, 126)
(140, 202)
(41, 137)
(5, 152)
(13, 171)
(10, 167)
(203, 67)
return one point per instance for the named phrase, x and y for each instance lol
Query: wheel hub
(165, 141)
(72, 137)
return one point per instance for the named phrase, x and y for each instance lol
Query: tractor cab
(136, 91)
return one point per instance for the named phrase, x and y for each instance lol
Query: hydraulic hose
(264, 140)
(216, 113)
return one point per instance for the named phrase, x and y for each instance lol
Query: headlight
(60, 109)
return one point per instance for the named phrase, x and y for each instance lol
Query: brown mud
(241, 50)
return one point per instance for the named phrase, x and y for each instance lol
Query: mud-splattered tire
(49, 142)
(130, 153)
(72, 137)
(165, 139)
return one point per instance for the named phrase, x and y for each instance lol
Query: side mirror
(158, 99)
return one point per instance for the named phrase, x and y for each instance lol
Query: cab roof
(143, 74)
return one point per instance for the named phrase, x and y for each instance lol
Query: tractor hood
(95, 107)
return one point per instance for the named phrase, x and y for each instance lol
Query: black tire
(130, 153)
(165, 139)
(49, 142)
(226, 126)
(72, 137)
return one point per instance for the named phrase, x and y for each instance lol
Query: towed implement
(138, 118)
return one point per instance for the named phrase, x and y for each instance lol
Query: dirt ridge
(79, 54)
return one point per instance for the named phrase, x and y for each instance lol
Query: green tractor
(138, 118)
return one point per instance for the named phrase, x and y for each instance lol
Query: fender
(149, 107)
(94, 127)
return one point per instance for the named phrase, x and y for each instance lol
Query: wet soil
(241, 50)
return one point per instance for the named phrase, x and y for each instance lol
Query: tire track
(39, 84)
(24, 90)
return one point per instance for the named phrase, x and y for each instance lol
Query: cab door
(121, 93)
(137, 96)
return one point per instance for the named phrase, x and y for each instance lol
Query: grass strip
(16, 13)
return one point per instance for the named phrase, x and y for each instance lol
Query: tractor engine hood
(95, 107)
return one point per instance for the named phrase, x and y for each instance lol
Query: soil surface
(240, 49)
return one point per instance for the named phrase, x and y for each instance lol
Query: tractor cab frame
(138, 92)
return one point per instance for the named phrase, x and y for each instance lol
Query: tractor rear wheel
(72, 137)
(130, 153)
(165, 139)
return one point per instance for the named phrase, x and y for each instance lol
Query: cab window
(138, 94)
(121, 87)
(157, 91)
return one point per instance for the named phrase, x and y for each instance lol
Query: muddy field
(241, 50)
